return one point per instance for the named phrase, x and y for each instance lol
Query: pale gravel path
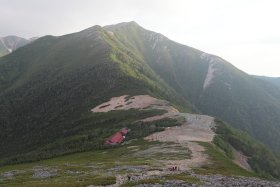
(195, 128)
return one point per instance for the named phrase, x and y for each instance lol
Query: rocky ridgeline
(217, 181)
(205, 180)
(42, 173)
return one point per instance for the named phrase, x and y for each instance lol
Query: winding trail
(195, 128)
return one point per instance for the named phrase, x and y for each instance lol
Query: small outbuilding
(118, 137)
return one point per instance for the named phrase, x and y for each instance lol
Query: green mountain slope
(261, 159)
(3, 50)
(179, 66)
(274, 80)
(246, 103)
(48, 87)
(210, 83)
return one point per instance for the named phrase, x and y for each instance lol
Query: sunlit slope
(208, 82)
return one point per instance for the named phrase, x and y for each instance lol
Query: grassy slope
(95, 164)
(47, 89)
(236, 97)
(132, 62)
(90, 133)
(88, 165)
(92, 167)
(177, 65)
(261, 159)
(3, 50)
(246, 105)
(274, 80)
(220, 163)
(40, 117)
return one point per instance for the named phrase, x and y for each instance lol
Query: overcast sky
(244, 32)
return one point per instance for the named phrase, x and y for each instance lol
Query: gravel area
(42, 173)
(129, 168)
(218, 181)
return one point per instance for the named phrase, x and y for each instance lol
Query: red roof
(116, 138)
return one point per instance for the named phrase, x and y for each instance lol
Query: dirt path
(197, 159)
(196, 128)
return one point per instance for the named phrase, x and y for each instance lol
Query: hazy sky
(244, 32)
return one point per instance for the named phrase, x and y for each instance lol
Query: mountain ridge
(11, 43)
(274, 80)
(167, 57)
(48, 88)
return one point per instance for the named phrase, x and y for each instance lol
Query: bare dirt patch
(195, 128)
(125, 102)
(241, 160)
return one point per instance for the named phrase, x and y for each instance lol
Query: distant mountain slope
(11, 43)
(274, 80)
(210, 83)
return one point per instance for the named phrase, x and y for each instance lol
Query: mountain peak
(93, 28)
(13, 37)
(130, 24)
(11, 43)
